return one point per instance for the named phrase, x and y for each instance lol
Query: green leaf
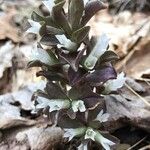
(76, 8)
(79, 35)
(36, 17)
(60, 18)
(108, 56)
(49, 40)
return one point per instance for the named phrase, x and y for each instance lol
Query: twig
(147, 103)
(145, 147)
(137, 143)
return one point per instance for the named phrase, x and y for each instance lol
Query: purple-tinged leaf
(73, 59)
(91, 9)
(101, 75)
(52, 76)
(54, 91)
(76, 77)
(64, 121)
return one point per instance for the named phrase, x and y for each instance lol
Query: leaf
(75, 12)
(35, 63)
(49, 40)
(73, 59)
(108, 56)
(60, 18)
(91, 9)
(79, 35)
(36, 17)
(76, 77)
(101, 75)
(46, 29)
(51, 76)
(54, 91)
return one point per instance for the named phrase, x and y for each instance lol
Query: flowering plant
(78, 70)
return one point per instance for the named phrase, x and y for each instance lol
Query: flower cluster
(78, 70)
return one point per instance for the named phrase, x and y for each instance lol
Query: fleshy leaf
(91, 9)
(97, 52)
(75, 12)
(79, 35)
(101, 75)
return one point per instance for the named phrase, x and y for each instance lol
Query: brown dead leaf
(8, 31)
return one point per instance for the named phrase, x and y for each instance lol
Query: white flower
(113, 85)
(71, 133)
(49, 4)
(103, 141)
(54, 104)
(102, 117)
(66, 43)
(83, 146)
(90, 134)
(97, 52)
(85, 2)
(42, 55)
(35, 27)
(78, 106)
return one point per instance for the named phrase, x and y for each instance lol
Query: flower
(97, 52)
(43, 56)
(90, 134)
(71, 133)
(35, 27)
(83, 146)
(54, 104)
(49, 4)
(85, 2)
(102, 117)
(113, 85)
(103, 141)
(78, 106)
(66, 43)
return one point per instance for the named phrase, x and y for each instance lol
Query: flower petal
(113, 85)
(71, 133)
(90, 134)
(102, 117)
(49, 4)
(35, 27)
(97, 52)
